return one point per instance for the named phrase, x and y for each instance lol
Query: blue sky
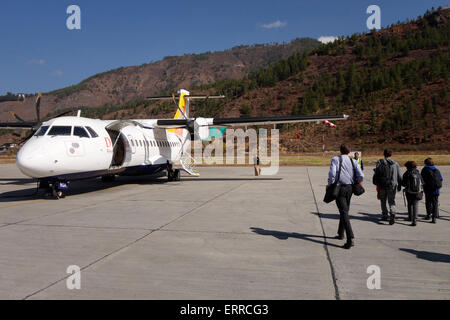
(39, 53)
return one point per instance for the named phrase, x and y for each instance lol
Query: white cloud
(327, 39)
(37, 61)
(57, 73)
(274, 25)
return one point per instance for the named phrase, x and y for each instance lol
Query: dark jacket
(425, 187)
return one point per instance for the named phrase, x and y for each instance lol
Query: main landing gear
(173, 175)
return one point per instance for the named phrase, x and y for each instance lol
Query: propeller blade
(63, 114)
(38, 105)
(27, 137)
(17, 117)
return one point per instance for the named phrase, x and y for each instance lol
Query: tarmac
(223, 235)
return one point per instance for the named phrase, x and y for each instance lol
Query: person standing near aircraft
(256, 166)
(342, 170)
(432, 178)
(359, 160)
(388, 180)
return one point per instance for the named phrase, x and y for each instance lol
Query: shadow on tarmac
(372, 217)
(95, 184)
(430, 256)
(18, 182)
(281, 235)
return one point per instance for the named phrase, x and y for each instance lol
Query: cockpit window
(80, 132)
(41, 131)
(60, 131)
(92, 132)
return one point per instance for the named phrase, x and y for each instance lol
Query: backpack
(432, 179)
(382, 176)
(413, 182)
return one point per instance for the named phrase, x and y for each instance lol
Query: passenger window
(132, 142)
(42, 130)
(80, 132)
(60, 131)
(92, 132)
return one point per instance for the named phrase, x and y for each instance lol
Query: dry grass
(7, 159)
(369, 160)
(320, 160)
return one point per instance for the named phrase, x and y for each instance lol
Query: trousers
(389, 196)
(343, 204)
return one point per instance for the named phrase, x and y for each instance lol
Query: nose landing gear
(54, 190)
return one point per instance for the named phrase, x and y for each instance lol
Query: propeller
(34, 125)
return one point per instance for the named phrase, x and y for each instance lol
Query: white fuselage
(88, 149)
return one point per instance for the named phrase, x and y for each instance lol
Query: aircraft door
(132, 143)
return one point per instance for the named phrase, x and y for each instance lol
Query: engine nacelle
(201, 128)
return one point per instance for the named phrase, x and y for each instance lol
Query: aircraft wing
(248, 121)
(17, 125)
(245, 121)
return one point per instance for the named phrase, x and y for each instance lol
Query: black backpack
(413, 182)
(383, 176)
(432, 179)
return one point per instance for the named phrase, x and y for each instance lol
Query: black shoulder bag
(333, 190)
(357, 188)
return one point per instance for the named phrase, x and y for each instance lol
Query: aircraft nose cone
(31, 161)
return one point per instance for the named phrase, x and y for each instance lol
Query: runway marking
(325, 246)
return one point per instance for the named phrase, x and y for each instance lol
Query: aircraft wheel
(57, 194)
(170, 175)
(177, 175)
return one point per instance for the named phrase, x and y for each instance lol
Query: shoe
(414, 224)
(427, 217)
(392, 219)
(433, 220)
(339, 237)
(348, 245)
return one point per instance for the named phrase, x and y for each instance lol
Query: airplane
(68, 148)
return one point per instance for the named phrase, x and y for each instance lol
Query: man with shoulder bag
(344, 178)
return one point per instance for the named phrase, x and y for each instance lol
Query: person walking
(359, 160)
(413, 189)
(342, 170)
(388, 179)
(432, 179)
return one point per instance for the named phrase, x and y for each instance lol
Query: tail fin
(183, 105)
